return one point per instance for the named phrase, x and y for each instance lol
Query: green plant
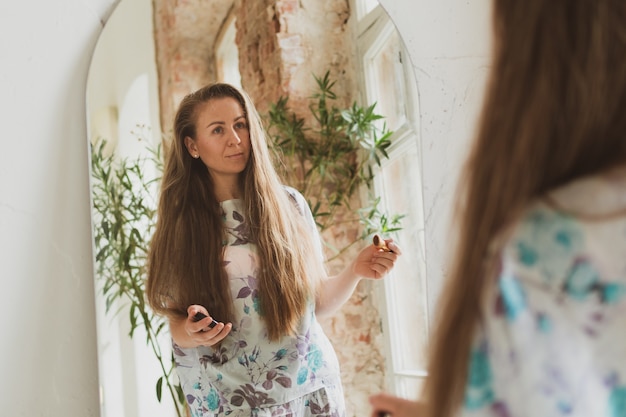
(124, 220)
(329, 158)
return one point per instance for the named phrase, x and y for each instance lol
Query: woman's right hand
(392, 406)
(189, 333)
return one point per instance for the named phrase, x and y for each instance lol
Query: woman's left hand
(375, 263)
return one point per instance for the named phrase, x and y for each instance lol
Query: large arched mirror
(153, 52)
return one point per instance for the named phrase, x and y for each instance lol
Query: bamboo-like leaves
(124, 214)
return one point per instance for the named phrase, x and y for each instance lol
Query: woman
(532, 319)
(235, 245)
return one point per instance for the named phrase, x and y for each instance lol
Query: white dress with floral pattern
(250, 375)
(552, 341)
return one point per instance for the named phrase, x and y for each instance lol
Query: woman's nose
(233, 138)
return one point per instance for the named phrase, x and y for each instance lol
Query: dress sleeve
(305, 210)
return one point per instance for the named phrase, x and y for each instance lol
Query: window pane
(366, 6)
(406, 291)
(398, 183)
(386, 78)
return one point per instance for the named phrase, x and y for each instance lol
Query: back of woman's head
(553, 112)
(554, 109)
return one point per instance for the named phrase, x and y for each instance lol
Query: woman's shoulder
(294, 193)
(567, 211)
(542, 235)
(580, 223)
(598, 197)
(296, 198)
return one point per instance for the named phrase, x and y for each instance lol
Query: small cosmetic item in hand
(379, 242)
(199, 316)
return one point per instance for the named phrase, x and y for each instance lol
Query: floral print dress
(552, 340)
(250, 375)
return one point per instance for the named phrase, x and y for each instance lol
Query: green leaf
(181, 394)
(159, 388)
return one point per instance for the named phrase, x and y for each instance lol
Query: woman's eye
(218, 129)
(241, 125)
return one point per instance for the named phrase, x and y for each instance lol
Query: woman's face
(222, 139)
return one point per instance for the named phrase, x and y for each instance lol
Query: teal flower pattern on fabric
(546, 240)
(582, 280)
(613, 293)
(479, 390)
(213, 400)
(314, 362)
(512, 296)
(316, 358)
(527, 255)
(256, 304)
(617, 402)
(303, 373)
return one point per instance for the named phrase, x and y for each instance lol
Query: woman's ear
(190, 144)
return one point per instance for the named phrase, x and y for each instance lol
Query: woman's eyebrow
(217, 122)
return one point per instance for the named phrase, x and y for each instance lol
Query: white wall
(48, 346)
(449, 43)
(47, 314)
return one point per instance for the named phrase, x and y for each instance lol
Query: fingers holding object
(385, 245)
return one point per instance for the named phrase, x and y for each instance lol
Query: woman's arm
(371, 262)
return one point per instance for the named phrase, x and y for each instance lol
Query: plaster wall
(449, 42)
(47, 316)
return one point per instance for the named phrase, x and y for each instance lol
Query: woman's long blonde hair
(186, 264)
(555, 110)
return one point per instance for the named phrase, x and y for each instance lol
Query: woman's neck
(227, 190)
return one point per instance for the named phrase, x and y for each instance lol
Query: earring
(196, 156)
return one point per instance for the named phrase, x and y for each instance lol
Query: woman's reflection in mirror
(235, 244)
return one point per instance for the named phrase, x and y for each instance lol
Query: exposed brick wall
(283, 43)
(257, 27)
(185, 34)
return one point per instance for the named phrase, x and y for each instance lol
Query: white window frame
(374, 28)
